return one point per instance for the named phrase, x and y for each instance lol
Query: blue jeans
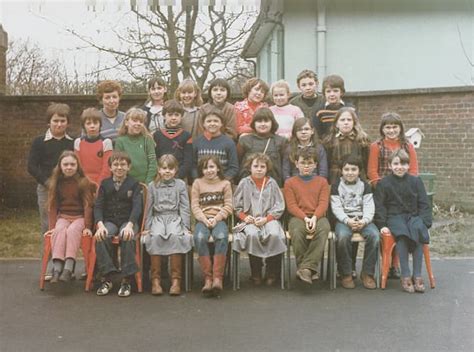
(344, 248)
(220, 233)
(104, 251)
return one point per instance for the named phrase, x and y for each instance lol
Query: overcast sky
(44, 22)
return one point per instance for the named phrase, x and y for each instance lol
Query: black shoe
(394, 273)
(55, 277)
(66, 275)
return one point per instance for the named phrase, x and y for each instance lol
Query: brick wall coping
(235, 97)
(437, 90)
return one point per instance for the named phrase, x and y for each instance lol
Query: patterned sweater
(211, 198)
(220, 146)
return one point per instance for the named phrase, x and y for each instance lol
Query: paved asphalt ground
(65, 318)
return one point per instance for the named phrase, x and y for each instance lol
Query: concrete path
(252, 319)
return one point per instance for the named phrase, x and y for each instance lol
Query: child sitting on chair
(117, 212)
(353, 206)
(307, 199)
(404, 211)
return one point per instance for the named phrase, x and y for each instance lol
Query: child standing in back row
(108, 94)
(138, 144)
(309, 99)
(254, 91)
(218, 95)
(173, 139)
(188, 94)
(285, 113)
(392, 137)
(93, 150)
(154, 105)
(346, 137)
(324, 115)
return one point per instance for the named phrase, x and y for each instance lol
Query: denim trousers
(220, 234)
(344, 248)
(104, 251)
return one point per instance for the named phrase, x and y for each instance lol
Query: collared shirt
(49, 135)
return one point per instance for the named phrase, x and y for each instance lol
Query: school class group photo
(178, 175)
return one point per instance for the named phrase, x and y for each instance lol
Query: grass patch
(21, 236)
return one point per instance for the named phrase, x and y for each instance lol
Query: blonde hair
(134, 114)
(188, 85)
(280, 84)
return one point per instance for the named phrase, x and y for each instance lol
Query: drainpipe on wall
(321, 39)
(281, 43)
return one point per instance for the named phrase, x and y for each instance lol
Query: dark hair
(203, 161)
(59, 109)
(306, 74)
(392, 118)
(293, 143)
(215, 112)
(334, 81)
(264, 114)
(259, 157)
(172, 106)
(351, 160)
(161, 82)
(108, 86)
(91, 114)
(307, 154)
(118, 155)
(252, 82)
(218, 82)
(401, 154)
(156, 80)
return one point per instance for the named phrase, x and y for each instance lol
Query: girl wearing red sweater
(254, 91)
(70, 201)
(392, 138)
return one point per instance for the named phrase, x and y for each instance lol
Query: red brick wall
(22, 119)
(446, 117)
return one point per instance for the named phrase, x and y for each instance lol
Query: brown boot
(218, 273)
(206, 268)
(155, 268)
(256, 269)
(176, 265)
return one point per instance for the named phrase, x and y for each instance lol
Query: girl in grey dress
(259, 203)
(168, 222)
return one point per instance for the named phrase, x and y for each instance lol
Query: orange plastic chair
(86, 243)
(116, 240)
(388, 244)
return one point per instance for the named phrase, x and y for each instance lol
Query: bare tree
(30, 72)
(178, 42)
